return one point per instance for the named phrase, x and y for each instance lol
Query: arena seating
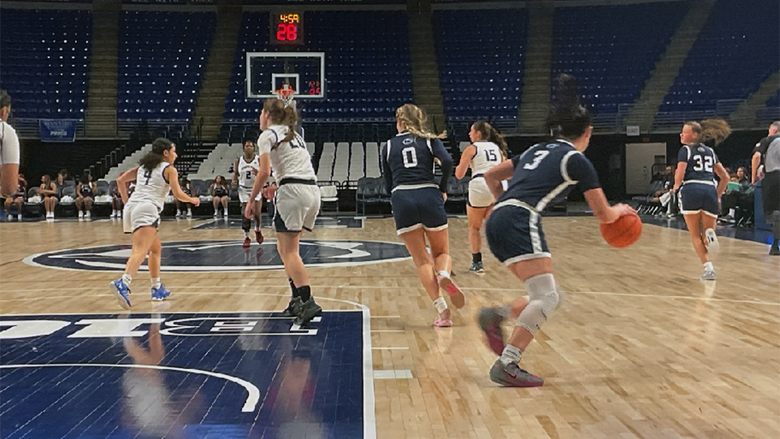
(735, 52)
(611, 50)
(45, 61)
(481, 57)
(162, 82)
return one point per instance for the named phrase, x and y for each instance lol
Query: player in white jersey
(154, 177)
(244, 171)
(297, 199)
(9, 150)
(488, 149)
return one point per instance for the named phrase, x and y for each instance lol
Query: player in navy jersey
(697, 165)
(540, 176)
(418, 204)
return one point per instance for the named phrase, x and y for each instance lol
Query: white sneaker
(19, 217)
(216, 214)
(113, 214)
(189, 213)
(81, 215)
(88, 215)
(708, 275)
(713, 246)
(49, 215)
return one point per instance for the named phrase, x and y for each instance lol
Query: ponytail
(282, 114)
(414, 119)
(567, 118)
(490, 134)
(154, 157)
(710, 129)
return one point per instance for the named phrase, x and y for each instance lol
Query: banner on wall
(57, 130)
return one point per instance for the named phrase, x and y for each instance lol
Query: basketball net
(286, 94)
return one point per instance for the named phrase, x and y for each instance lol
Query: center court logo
(199, 256)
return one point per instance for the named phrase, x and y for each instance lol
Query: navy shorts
(415, 208)
(515, 234)
(699, 197)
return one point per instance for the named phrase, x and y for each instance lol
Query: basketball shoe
(160, 293)
(511, 375)
(122, 293)
(489, 320)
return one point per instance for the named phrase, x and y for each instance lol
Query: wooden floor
(641, 348)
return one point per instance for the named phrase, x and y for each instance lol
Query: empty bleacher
(481, 54)
(162, 81)
(611, 50)
(45, 61)
(735, 52)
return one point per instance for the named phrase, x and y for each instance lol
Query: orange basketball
(623, 232)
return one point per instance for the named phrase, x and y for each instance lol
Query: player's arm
(682, 165)
(445, 162)
(465, 160)
(724, 178)
(171, 175)
(581, 170)
(9, 172)
(78, 190)
(49, 191)
(121, 182)
(497, 174)
(386, 172)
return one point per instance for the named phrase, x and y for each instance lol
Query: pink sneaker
(456, 295)
(442, 323)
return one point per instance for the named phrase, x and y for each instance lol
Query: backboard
(269, 71)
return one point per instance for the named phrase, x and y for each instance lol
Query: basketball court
(640, 349)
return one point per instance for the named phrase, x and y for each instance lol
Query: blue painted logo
(189, 376)
(199, 256)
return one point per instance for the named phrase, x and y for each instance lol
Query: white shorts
(141, 214)
(244, 193)
(479, 193)
(297, 206)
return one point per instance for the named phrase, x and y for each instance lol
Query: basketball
(623, 232)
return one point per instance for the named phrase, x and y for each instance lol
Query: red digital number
(286, 32)
(314, 87)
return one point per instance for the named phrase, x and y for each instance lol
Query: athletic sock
(304, 293)
(511, 354)
(246, 233)
(476, 257)
(126, 278)
(440, 305)
(505, 311)
(156, 282)
(293, 289)
(708, 266)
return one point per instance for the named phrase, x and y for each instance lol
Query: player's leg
(246, 225)
(88, 207)
(159, 292)
(224, 200)
(258, 210)
(476, 216)
(693, 221)
(143, 238)
(215, 202)
(287, 243)
(442, 264)
(415, 244)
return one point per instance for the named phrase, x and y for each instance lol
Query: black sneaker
(774, 251)
(293, 307)
(307, 311)
(512, 375)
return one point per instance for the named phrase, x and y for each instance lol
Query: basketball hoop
(286, 94)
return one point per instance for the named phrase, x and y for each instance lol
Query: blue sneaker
(122, 293)
(160, 293)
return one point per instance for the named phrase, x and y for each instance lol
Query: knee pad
(543, 301)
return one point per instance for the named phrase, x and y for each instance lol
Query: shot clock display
(286, 28)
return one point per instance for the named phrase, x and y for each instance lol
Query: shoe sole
(122, 302)
(499, 378)
(456, 295)
(306, 317)
(442, 323)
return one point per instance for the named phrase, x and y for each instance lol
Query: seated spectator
(17, 199)
(48, 192)
(737, 201)
(116, 200)
(220, 190)
(85, 196)
(666, 195)
(186, 187)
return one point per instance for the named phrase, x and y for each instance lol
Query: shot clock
(286, 28)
